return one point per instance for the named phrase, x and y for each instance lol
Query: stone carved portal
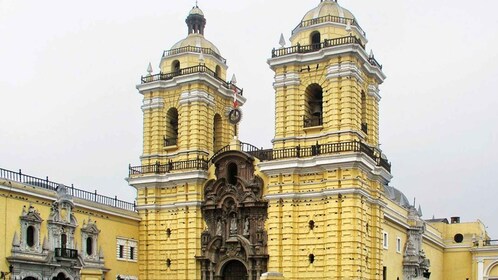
(235, 241)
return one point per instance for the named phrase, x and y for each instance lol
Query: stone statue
(233, 225)
(246, 227)
(218, 228)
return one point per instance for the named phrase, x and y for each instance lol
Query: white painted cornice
(287, 79)
(360, 134)
(154, 103)
(347, 69)
(190, 78)
(320, 55)
(167, 179)
(196, 96)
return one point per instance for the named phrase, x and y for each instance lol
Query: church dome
(397, 196)
(328, 8)
(196, 11)
(196, 40)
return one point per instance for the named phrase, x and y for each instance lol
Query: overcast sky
(69, 108)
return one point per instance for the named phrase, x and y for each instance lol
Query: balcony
(170, 142)
(158, 168)
(316, 47)
(193, 49)
(188, 71)
(313, 121)
(490, 242)
(328, 18)
(66, 253)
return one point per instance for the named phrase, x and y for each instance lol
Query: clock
(234, 116)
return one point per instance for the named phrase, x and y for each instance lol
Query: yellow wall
(112, 223)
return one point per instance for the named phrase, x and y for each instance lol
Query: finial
(196, 3)
(282, 40)
(149, 69)
(371, 54)
(233, 81)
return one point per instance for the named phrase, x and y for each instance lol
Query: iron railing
(66, 253)
(267, 155)
(170, 142)
(194, 49)
(158, 168)
(374, 62)
(318, 46)
(490, 242)
(328, 18)
(78, 193)
(313, 121)
(187, 71)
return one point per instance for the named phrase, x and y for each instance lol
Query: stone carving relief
(235, 213)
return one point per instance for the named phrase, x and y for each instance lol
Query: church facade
(317, 205)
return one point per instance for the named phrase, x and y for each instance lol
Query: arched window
(217, 72)
(89, 246)
(232, 173)
(315, 39)
(217, 133)
(171, 136)
(313, 115)
(364, 125)
(30, 236)
(175, 66)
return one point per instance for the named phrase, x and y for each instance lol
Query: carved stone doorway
(234, 270)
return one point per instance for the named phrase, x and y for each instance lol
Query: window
(89, 246)
(217, 72)
(364, 124)
(313, 115)
(171, 137)
(384, 273)
(385, 240)
(398, 245)
(132, 253)
(121, 251)
(30, 236)
(175, 66)
(126, 249)
(311, 258)
(315, 40)
(63, 240)
(232, 173)
(312, 224)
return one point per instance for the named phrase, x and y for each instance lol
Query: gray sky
(70, 110)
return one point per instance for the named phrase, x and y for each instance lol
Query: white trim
(168, 179)
(385, 240)
(360, 134)
(184, 79)
(347, 69)
(153, 103)
(287, 79)
(373, 90)
(320, 55)
(196, 96)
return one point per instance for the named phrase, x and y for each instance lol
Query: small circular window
(458, 238)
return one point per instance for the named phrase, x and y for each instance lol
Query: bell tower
(186, 104)
(326, 172)
(326, 84)
(186, 107)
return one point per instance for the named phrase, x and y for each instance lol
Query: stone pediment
(31, 215)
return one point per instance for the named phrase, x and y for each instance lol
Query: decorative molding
(287, 79)
(347, 69)
(154, 103)
(197, 96)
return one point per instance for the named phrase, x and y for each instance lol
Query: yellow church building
(317, 205)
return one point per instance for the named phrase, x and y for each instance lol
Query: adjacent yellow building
(317, 205)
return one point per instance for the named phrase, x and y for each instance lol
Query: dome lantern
(196, 21)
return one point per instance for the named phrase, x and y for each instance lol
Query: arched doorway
(234, 270)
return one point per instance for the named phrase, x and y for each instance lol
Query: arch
(313, 106)
(175, 66)
(30, 236)
(171, 135)
(61, 273)
(217, 72)
(364, 126)
(232, 173)
(315, 40)
(233, 269)
(217, 133)
(29, 278)
(491, 269)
